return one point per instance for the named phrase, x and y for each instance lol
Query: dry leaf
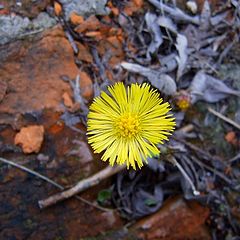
(76, 19)
(155, 31)
(210, 89)
(182, 57)
(57, 8)
(161, 81)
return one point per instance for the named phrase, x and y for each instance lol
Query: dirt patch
(33, 70)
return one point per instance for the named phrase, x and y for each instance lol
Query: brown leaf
(67, 100)
(90, 24)
(57, 8)
(76, 19)
(84, 54)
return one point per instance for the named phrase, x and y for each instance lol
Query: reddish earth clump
(177, 219)
(30, 138)
(33, 71)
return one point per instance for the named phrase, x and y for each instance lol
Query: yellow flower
(128, 124)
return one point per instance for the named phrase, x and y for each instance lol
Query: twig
(48, 180)
(180, 168)
(226, 119)
(81, 186)
(31, 172)
(219, 174)
(195, 148)
(175, 12)
(232, 160)
(185, 129)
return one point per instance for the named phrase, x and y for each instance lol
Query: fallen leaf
(210, 89)
(76, 19)
(86, 85)
(132, 6)
(83, 53)
(231, 138)
(155, 31)
(167, 22)
(94, 34)
(90, 24)
(57, 8)
(161, 81)
(182, 57)
(67, 100)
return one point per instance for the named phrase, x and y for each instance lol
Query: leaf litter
(175, 51)
(180, 55)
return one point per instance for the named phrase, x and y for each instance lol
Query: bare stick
(232, 160)
(81, 186)
(31, 172)
(226, 119)
(215, 171)
(180, 168)
(48, 180)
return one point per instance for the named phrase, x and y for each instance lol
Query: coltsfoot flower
(128, 124)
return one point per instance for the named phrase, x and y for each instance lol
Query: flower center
(128, 126)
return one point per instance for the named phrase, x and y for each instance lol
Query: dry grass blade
(226, 119)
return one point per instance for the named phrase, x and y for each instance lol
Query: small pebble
(42, 158)
(192, 7)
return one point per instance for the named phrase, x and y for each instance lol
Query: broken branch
(81, 186)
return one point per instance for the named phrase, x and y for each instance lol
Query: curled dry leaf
(182, 57)
(76, 19)
(231, 138)
(181, 43)
(67, 100)
(57, 8)
(155, 31)
(167, 22)
(210, 89)
(205, 16)
(161, 81)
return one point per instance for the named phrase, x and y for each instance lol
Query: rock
(30, 138)
(176, 220)
(84, 8)
(33, 70)
(14, 27)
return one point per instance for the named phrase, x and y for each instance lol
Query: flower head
(128, 124)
